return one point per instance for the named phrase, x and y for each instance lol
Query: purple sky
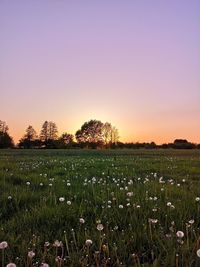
(133, 63)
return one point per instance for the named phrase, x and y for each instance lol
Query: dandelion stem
(2, 257)
(66, 243)
(74, 238)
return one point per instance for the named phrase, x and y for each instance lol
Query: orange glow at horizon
(126, 132)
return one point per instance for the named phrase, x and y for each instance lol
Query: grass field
(100, 208)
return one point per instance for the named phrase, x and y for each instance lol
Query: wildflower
(11, 265)
(191, 221)
(9, 197)
(121, 206)
(3, 245)
(61, 199)
(69, 202)
(180, 234)
(153, 221)
(99, 227)
(197, 199)
(81, 220)
(88, 242)
(28, 183)
(31, 254)
(198, 253)
(169, 204)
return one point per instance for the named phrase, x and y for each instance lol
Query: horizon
(16, 141)
(134, 64)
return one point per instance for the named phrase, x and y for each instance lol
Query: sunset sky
(134, 63)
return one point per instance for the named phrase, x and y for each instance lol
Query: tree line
(92, 134)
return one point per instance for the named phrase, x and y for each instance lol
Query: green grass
(96, 183)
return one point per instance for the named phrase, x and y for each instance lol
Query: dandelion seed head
(198, 253)
(31, 254)
(3, 245)
(88, 242)
(100, 227)
(11, 265)
(179, 234)
(81, 220)
(61, 199)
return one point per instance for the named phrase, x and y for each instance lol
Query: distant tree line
(92, 134)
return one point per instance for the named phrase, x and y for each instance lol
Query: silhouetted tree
(180, 141)
(67, 138)
(95, 133)
(115, 135)
(29, 140)
(48, 132)
(107, 132)
(30, 133)
(6, 140)
(91, 133)
(65, 141)
(3, 127)
(110, 134)
(182, 144)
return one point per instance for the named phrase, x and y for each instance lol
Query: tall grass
(100, 208)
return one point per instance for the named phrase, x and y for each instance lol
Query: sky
(134, 63)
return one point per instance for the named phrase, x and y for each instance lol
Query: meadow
(100, 208)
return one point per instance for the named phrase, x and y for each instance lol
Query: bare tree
(49, 131)
(31, 134)
(115, 135)
(107, 133)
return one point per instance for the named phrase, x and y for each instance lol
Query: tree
(96, 133)
(91, 132)
(115, 135)
(182, 144)
(6, 140)
(49, 132)
(30, 133)
(3, 127)
(65, 141)
(110, 134)
(67, 138)
(29, 139)
(107, 133)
